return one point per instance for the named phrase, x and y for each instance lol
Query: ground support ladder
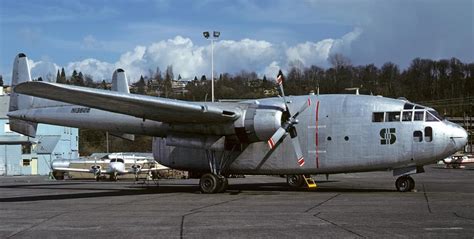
(310, 182)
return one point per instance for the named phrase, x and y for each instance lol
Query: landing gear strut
(113, 176)
(405, 184)
(215, 182)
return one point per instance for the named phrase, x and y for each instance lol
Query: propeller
(96, 169)
(288, 126)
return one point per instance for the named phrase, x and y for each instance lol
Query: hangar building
(23, 155)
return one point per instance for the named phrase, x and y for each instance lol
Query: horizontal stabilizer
(141, 106)
(130, 137)
(23, 127)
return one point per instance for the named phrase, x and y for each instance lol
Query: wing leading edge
(146, 107)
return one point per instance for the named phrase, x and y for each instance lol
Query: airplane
(116, 166)
(329, 134)
(458, 161)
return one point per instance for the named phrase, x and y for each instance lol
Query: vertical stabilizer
(120, 84)
(20, 74)
(120, 81)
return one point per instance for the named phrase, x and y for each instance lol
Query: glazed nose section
(459, 136)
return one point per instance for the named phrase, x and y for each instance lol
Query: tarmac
(362, 205)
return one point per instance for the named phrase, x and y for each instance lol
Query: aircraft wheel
(405, 184)
(209, 183)
(295, 181)
(97, 178)
(113, 177)
(223, 184)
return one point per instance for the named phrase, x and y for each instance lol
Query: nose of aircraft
(459, 136)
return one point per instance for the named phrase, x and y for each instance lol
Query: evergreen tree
(80, 79)
(167, 82)
(58, 77)
(103, 85)
(141, 85)
(62, 77)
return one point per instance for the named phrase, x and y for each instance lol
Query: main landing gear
(405, 183)
(212, 183)
(216, 182)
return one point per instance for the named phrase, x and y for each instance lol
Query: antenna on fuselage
(353, 88)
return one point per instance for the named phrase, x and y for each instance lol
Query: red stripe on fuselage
(317, 141)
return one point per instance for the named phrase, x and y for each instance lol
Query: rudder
(21, 73)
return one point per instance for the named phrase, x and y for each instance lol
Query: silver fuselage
(337, 134)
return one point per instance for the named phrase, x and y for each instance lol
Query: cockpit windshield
(117, 160)
(407, 116)
(433, 116)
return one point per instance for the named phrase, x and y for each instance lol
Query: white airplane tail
(20, 74)
(120, 82)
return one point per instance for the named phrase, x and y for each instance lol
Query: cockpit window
(418, 116)
(408, 106)
(434, 114)
(392, 116)
(105, 157)
(419, 107)
(377, 117)
(406, 116)
(117, 160)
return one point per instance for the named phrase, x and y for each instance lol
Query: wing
(80, 170)
(146, 107)
(146, 170)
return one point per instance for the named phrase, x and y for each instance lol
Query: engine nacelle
(136, 167)
(96, 169)
(259, 122)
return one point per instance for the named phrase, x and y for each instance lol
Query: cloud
(191, 60)
(44, 69)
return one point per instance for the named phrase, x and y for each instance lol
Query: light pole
(215, 35)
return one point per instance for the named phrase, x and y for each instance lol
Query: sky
(98, 36)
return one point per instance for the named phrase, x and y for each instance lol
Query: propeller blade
(303, 108)
(296, 145)
(277, 136)
(299, 153)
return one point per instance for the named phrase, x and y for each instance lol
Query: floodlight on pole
(215, 35)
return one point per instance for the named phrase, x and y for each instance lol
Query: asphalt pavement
(363, 205)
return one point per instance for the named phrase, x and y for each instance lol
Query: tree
(338, 60)
(103, 85)
(167, 83)
(389, 80)
(80, 79)
(58, 77)
(61, 77)
(1, 80)
(141, 85)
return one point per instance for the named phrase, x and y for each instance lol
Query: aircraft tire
(294, 180)
(209, 183)
(405, 184)
(223, 184)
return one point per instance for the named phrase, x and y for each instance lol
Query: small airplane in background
(116, 166)
(458, 161)
(329, 134)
